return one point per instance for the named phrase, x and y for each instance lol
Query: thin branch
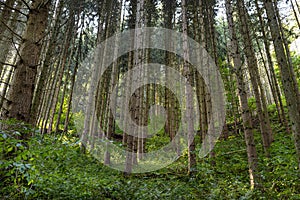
(28, 7)
(48, 32)
(5, 83)
(64, 23)
(43, 4)
(3, 63)
(21, 21)
(12, 31)
(17, 49)
(1, 3)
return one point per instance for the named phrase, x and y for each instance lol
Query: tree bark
(23, 84)
(46, 65)
(289, 83)
(254, 77)
(188, 94)
(246, 115)
(273, 82)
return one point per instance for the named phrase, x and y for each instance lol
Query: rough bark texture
(4, 23)
(254, 77)
(188, 94)
(46, 66)
(289, 83)
(246, 115)
(23, 84)
(272, 76)
(5, 47)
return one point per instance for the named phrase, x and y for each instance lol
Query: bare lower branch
(12, 8)
(12, 31)
(26, 4)
(3, 63)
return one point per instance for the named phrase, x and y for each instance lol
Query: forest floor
(55, 168)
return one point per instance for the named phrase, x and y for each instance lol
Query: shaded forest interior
(94, 104)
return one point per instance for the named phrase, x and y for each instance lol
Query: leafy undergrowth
(52, 168)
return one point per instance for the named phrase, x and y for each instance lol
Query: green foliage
(281, 171)
(15, 160)
(53, 167)
(157, 141)
(252, 104)
(296, 65)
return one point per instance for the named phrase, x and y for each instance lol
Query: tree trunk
(188, 95)
(273, 82)
(5, 21)
(3, 56)
(5, 15)
(46, 66)
(62, 64)
(114, 80)
(69, 105)
(246, 116)
(23, 84)
(295, 14)
(254, 77)
(289, 83)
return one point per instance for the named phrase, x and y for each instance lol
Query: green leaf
(10, 149)
(30, 182)
(24, 157)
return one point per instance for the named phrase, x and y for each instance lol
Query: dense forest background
(56, 106)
